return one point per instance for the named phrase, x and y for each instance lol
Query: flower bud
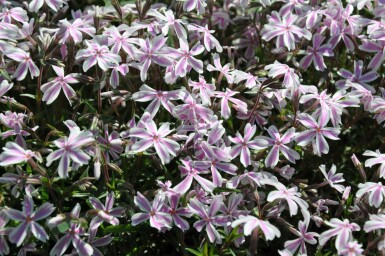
(359, 167)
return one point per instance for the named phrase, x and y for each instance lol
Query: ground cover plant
(193, 127)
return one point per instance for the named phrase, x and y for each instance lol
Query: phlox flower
(26, 63)
(206, 90)
(70, 149)
(378, 158)
(303, 236)
(157, 98)
(221, 18)
(352, 248)
(73, 30)
(167, 21)
(155, 212)
(105, 212)
(231, 210)
(35, 5)
(192, 110)
(376, 105)
(21, 181)
(73, 235)
(341, 229)
(97, 54)
(253, 178)
(376, 47)
(209, 41)
(15, 122)
(192, 172)
(316, 133)
(112, 143)
(152, 136)
(284, 28)
(376, 192)
(286, 171)
(98, 242)
(199, 5)
(225, 98)
(151, 51)
(15, 154)
(28, 218)
(292, 197)
(8, 31)
(178, 212)
(315, 54)
(345, 33)
(16, 13)
(357, 77)
(332, 178)
(114, 78)
(376, 221)
(244, 144)
(52, 89)
(187, 60)
(277, 142)
(251, 222)
(216, 159)
(290, 5)
(209, 217)
(252, 81)
(249, 41)
(123, 41)
(290, 78)
(224, 70)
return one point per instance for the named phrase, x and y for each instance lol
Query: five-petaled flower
(26, 63)
(250, 223)
(292, 197)
(285, 30)
(209, 217)
(244, 144)
(15, 154)
(303, 236)
(152, 136)
(70, 149)
(156, 212)
(73, 234)
(317, 132)
(342, 229)
(28, 218)
(52, 89)
(376, 192)
(105, 212)
(97, 54)
(277, 142)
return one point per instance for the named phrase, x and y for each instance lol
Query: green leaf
(77, 194)
(84, 174)
(5, 74)
(118, 229)
(28, 95)
(63, 227)
(230, 190)
(194, 252)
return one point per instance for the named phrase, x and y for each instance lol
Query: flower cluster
(219, 126)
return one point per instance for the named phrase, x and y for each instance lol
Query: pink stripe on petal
(138, 218)
(61, 245)
(272, 158)
(38, 231)
(43, 212)
(19, 233)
